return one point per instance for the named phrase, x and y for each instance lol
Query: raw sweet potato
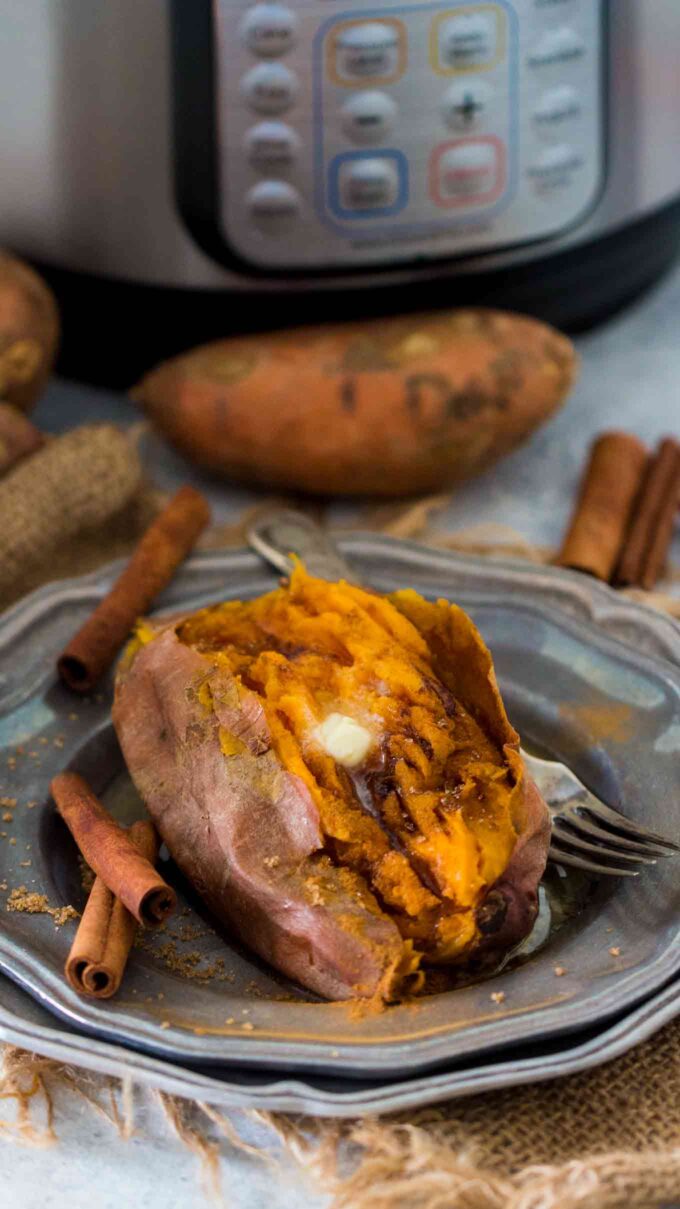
(29, 332)
(335, 773)
(391, 407)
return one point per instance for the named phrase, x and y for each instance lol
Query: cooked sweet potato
(29, 332)
(391, 407)
(335, 773)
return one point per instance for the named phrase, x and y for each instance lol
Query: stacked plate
(587, 677)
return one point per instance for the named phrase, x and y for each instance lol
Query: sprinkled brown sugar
(86, 874)
(8, 817)
(187, 932)
(28, 901)
(187, 965)
(8, 802)
(615, 951)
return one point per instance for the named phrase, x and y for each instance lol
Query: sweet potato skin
(29, 332)
(393, 407)
(244, 835)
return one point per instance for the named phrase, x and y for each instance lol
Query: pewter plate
(574, 686)
(25, 1023)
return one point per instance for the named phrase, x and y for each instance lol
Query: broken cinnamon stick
(163, 547)
(651, 529)
(608, 492)
(99, 953)
(110, 852)
(18, 437)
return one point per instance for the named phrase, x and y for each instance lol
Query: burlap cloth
(604, 1139)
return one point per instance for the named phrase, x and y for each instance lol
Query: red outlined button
(468, 172)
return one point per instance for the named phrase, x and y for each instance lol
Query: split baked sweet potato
(335, 773)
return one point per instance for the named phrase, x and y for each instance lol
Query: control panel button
(466, 103)
(366, 50)
(269, 30)
(272, 145)
(467, 40)
(556, 107)
(368, 117)
(557, 46)
(272, 204)
(369, 184)
(270, 87)
(468, 172)
(554, 169)
(365, 184)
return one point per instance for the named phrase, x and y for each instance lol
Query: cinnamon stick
(18, 437)
(646, 546)
(100, 950)
(108, 850)
(163, 547)
(608, 492)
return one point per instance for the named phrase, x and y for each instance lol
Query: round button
(368, 117)
(467, 40)
(370, 184)
(367, 49)
(554, 168)
(555, 107)
(270, 87)
(269, 30)
(273, 203)
(562, 45)
(468, 171)
(465, 104)
(272, 145)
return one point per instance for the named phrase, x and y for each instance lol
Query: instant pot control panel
(350, 135)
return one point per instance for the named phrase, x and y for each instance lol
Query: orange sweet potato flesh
(29, 332)
(348, 880)
(389, 407)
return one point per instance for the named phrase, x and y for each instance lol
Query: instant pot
(184, 169)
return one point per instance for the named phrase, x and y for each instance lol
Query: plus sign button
(465, 104)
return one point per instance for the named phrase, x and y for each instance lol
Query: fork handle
(286, 533)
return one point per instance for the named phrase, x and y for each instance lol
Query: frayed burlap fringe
(605, 1139)
(29, 1081)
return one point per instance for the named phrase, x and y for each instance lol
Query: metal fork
(586, 833)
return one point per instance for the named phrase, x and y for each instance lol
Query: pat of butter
(343, 739)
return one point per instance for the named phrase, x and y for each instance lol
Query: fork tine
(563, 832)
(613, 817)
(577, 862)
(576, 819)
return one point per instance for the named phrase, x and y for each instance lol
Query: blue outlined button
(368, 184)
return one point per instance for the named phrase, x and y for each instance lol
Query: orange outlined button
(468, 172)
(366, 52)
(467, 39)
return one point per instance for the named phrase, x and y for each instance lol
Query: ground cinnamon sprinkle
(22, 899)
